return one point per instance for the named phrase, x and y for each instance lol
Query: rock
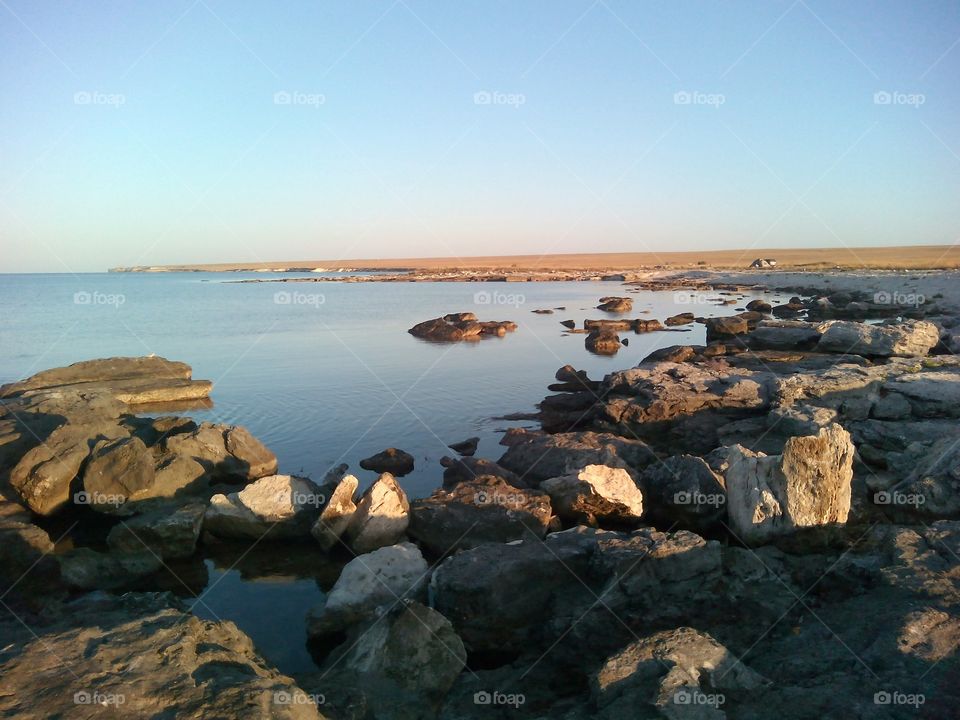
(438, 330)
(461, 317)
(892, 406)
(88, 569)
(573, 380)
(542, 311)
(281, 506)
(931, 393)
(117, 471)
(674, 354)
(467, 468)
(806, 486)
(569, 324)
(763, 263)
(932, 488)
(536, 456)
(43, 476)
(404, 661)
(476, 511)
(609, 325)
(369, 584)
(685, 491)
(164, 533)
(758, 305)
(597, 494)
(337, 514)
(680, 319)
(645, 326)
(382, 516)
(723, 327)
(911, 338)
(603, 342)
(139, 655)
(785, 335)
(465, 447)
(683, 672)
(615, 304)
(228, 453)
(29, 572)
(393, 461)
(131, 380)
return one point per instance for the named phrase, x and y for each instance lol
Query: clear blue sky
(148, 133)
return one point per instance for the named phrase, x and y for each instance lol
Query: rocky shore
(766, 524)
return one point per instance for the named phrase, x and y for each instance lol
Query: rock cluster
(460, 326)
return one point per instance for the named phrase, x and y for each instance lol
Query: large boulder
(603, 342)
(336, 514)
(596, 495)
(228, 453)
(143, 655)
(393, 461)
(117, 471)
(44, 476)
(537, 456)
(484, 509)
(685, 490)
(911, 338)
(402, 664)
(725, 327)
(368, 584)
(168, 533)
(683, 673)
(381, 518)
(278, 505)
(807, 485)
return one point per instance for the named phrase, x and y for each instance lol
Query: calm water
(329, 376)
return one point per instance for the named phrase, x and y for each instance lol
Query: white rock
(597, 491)
(907, 339)
(382, 516)
(283, 505)
(338, 513)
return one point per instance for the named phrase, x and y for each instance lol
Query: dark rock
(466, 447)
(394, 461)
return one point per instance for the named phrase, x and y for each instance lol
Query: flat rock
(911, 338)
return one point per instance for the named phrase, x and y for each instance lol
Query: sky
(195, 131)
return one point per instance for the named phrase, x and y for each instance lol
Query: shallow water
(326, 373)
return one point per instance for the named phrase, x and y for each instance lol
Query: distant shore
(917, 257)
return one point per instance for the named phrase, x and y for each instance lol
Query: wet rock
(167, 533)
(911, 338)
(603, 342)
(381, 518)
(615, 304)
(806, 486)
(337, 513)
(393, 461)
(466, 447)
(596, 495)
(278, 505)
(483, 509)
(609, 325)
(369, 584)
(168, 659)
(681, 319)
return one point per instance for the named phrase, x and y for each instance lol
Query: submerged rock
(393, 461)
